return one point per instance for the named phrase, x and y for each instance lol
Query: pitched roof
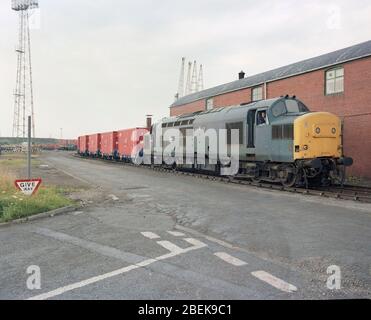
(336, 57)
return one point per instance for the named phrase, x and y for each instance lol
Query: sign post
(28, 186)
(29, 148)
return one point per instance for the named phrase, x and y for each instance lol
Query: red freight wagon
(84, 145)
(128, 139)
(109, 144)
(94, 144)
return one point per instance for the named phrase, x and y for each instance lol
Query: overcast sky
(103, 65)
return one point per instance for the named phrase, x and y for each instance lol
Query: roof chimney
(241, 75)
(149, 121)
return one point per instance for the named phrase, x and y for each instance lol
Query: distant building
(337, 82)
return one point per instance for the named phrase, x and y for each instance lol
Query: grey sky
(102, 65)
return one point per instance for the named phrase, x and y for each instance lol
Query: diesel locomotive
(280, 140)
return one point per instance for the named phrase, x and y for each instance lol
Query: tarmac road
(154, 235)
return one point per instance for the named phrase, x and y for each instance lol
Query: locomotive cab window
(334, 81)
(261, 117)
(279, 109)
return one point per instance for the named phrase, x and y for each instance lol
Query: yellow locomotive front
(317, 134)
(318, 147)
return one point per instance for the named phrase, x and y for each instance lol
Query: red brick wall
(357, 144)
(231, 98)
(353, 106)
(188, 108)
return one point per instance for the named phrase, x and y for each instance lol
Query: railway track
(357, 193)
(346, 192)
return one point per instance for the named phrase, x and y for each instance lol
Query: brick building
(337, 82)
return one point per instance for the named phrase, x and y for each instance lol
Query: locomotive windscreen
(288, 106)
(294, 106)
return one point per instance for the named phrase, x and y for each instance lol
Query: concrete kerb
(41, 215)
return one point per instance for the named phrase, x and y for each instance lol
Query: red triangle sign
(28, 186)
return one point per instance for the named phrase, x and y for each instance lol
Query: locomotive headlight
(333, 130)
(318, 130)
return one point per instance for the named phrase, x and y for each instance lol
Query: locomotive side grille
(276, 132)
(288, 131)
(285, 131)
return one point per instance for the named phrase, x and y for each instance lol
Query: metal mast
(200, 82)
(188, 83)
(181, 80)
(194, 78)
(23, 93)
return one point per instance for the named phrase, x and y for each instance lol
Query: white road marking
(195, 242)
(150, 235)
(226, 244)
(146, 262)
(170, 246)
(95, 279)
(176, 233)
(83, 283)
(174, 249)
(230, 259)
(212, 239)
(274, 281)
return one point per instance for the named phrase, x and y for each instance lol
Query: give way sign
(28, 186)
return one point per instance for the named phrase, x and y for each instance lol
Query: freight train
(279, 140)
(113, 145)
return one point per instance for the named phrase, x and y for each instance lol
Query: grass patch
(15, 205)
(17, 161)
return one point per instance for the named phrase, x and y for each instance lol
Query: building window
(257, 93)
(209, 104)
(335, 81)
